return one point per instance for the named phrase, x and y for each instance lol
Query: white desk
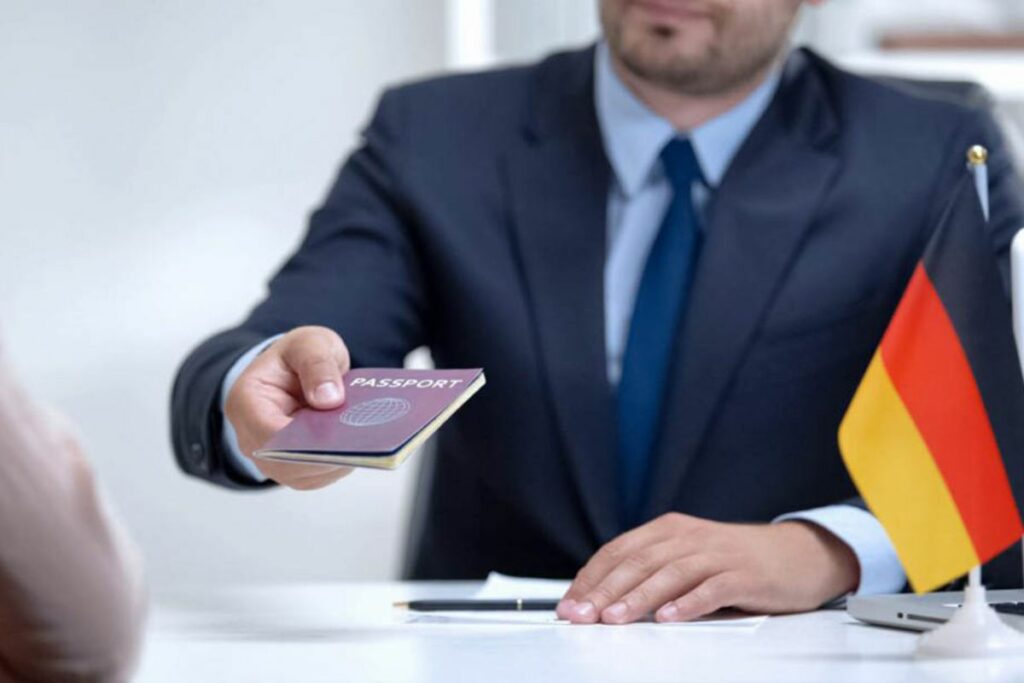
(349, 633)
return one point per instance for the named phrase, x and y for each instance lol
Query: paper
(503, 587)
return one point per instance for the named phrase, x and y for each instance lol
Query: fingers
(634, 552)
(264, 417)
(714, 593)
(574, 605)
(622, 579)
(259, 419)
(613, 553)
(260, 404)
(319, 358)
(300, 476)
(672, 579)
(303, 368)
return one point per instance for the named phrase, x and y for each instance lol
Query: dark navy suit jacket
(472, 220)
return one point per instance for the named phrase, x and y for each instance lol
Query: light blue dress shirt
(633, 137)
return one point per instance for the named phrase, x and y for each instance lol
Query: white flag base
(974, 631)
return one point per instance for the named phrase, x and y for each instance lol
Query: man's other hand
(682, 568)
(301, 369)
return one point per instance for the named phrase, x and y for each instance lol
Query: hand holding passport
(387, 414)
(290, 377)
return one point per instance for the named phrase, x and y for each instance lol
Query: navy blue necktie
(660, 302)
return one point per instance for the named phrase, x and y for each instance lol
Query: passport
(388, 413)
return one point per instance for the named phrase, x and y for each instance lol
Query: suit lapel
(558, 185)
(758, 220)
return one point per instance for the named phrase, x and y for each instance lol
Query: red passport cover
(384, 409)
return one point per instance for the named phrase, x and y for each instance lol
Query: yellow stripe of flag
(901, 484)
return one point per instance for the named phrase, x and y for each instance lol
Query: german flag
(941, 408)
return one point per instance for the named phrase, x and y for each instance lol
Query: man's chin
(658, 50)
(666, 66)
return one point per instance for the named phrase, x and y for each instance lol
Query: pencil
(517, 605)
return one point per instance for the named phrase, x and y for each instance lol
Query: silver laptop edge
(923, 612)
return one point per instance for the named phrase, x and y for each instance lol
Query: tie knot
(681, 165)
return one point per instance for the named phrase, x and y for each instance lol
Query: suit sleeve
(357, 271)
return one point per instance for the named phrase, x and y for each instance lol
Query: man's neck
(685, 112)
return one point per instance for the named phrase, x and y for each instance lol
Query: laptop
(925, 612)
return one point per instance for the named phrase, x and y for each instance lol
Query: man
(673, 254)
(72, 600)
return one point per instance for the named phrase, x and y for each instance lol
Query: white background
(157, 161)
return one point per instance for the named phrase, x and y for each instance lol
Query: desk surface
(349, 632)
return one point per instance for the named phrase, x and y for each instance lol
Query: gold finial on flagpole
(977, 155)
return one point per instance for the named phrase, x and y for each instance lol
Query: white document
(503, 587)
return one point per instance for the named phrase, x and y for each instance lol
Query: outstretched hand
(301, 369)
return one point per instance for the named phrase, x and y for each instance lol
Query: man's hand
(301, 369)
(682, 567)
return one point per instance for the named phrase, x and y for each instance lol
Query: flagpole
(977, 157)
(974, 577)
(974, 630)
(977, 164)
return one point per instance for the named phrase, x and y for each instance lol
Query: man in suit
(674, 255)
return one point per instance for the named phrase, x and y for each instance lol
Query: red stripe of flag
(923, 355)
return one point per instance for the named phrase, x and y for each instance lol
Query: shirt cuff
(236, 459)
(880, 568)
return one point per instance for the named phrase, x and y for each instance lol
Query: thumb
(319, 358)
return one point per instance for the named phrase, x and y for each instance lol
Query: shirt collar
(634, 135)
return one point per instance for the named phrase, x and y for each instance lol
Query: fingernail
(616, 612)
(668, 613)
(327, 393)
(583, 610)
(565, 606)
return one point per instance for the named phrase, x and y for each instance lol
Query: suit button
(199, 458)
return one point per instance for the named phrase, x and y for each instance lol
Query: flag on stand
(939, 415)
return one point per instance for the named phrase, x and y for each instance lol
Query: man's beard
(722, 68)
